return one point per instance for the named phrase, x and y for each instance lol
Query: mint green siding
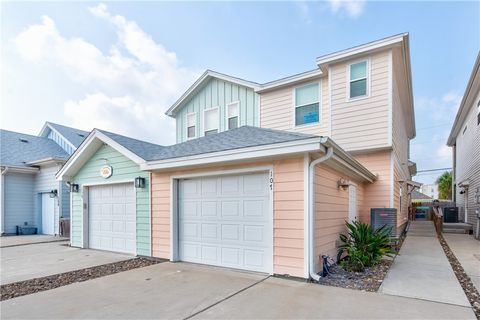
(218, 93)
(123, 170)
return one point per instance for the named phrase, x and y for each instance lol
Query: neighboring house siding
(277, 110)
(218, 93)
(288, 176)
(468, 163)
(19, 200)
(45, 182)
(123, 170)
(378, 194)
(362, 123)
(61, 142)
(332, 209)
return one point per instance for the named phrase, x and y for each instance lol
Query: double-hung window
(233, 111)
(210, 121)
(307, 105)
(191, 125)
(358, 76)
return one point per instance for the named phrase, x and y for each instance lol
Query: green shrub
(364, 246)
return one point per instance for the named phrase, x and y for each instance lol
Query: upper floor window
(191, 125)
(233, 114)
(307, 105)
(358, 79)
(210, 121)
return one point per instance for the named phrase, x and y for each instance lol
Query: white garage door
(226, 221)
(112, 222)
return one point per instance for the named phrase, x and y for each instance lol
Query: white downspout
(2, 200)
(311, 211)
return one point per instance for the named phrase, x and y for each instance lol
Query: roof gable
(71, 135)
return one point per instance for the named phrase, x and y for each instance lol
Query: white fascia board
(17, 169)
(362, 49)
(250, 153)
(304, 76)
(82, 155)
(202, 79)
(46, 161)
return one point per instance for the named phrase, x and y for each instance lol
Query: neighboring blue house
(29, 193)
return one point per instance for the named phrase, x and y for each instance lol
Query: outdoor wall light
(53, 193)
(73, 187)
(139, 182)
(343, 184)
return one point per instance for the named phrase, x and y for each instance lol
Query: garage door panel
(234, 227)
(112, 218)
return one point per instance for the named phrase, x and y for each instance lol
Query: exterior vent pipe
(311, 211)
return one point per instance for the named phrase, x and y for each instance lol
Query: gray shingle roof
(142, 149)
(75, 136)
(15, 152)
(242, 137)
(416, 195)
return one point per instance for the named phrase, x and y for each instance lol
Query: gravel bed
(465, 281)
(369, 280)
(18, 289)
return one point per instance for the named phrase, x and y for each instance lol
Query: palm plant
(364, 245)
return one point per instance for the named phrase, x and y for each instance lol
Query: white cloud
(353, 8)
(127, 90)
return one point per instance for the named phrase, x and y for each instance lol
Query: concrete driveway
(9, 241)
(181, 290)
(30, 261)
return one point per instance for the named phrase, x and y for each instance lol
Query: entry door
(112, 218)
(352, 203)
(226, 221)
(48, 214)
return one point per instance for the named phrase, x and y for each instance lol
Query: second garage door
(226, 221)
(112, 218)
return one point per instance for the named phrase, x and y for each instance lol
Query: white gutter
(311, 211)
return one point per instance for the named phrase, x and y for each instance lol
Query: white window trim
(203, 120)
(186, 125)
(368, 79)
(226, 114)
(295, 105)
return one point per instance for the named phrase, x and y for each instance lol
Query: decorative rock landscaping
(369, 280)
(470, 291)
(17, 289)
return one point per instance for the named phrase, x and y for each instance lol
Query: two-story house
(263, 176)
(29, 193)
(465, 140)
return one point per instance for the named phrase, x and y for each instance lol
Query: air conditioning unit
(384, 217)
(450, 214)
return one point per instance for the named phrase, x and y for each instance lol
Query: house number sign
(106, 171)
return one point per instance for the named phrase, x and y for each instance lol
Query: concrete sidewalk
(467, 251)
(422, 270)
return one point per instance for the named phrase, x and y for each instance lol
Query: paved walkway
(467, 251)
(422, 270)
(9, 241)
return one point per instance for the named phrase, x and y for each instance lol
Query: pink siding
(288, 212)
(378, 194)
(332, 206)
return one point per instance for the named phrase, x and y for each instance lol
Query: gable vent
(23, 140)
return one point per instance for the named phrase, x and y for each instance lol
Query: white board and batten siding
(218, 93)
(45, 182)
(19, 203)
(468, 164)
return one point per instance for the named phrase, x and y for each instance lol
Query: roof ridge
(25, 134)
(123, 136)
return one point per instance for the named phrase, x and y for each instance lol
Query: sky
(119, 65)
